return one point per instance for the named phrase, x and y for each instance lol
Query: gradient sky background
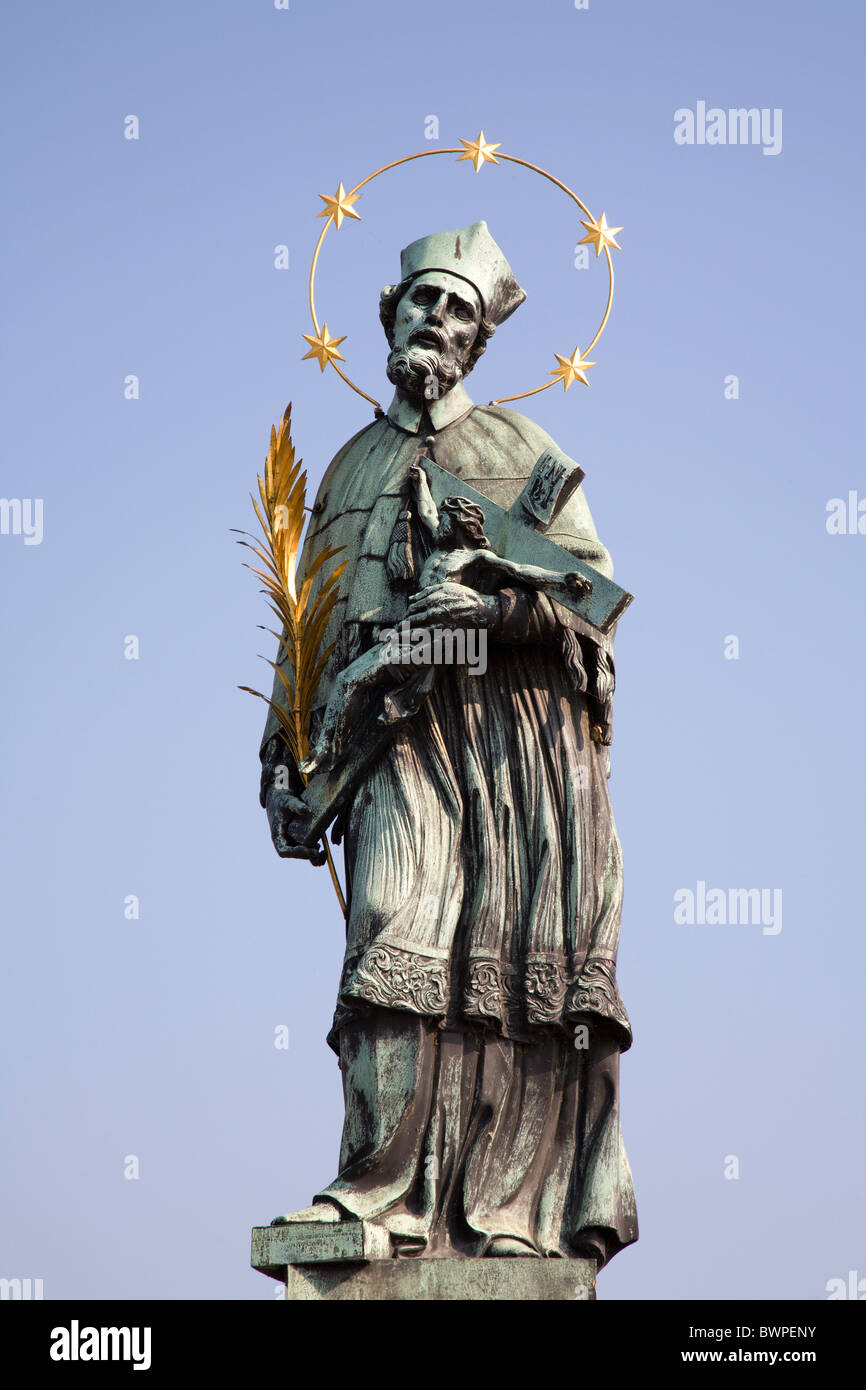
(156, 1037)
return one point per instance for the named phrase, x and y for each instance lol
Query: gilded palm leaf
(302, 621)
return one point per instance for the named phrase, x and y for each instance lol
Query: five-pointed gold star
(339, 206)
(324, 348)
(571, 368)
(480, 151)
(601, 235)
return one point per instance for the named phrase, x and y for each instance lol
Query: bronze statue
(478, 1021)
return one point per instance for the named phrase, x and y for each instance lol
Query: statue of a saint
(478, 1020)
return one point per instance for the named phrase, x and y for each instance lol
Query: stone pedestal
(352, 1260)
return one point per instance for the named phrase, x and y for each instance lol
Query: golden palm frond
(303, 622)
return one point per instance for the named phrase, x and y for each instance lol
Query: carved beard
(423, 371)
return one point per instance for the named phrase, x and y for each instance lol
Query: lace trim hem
(546, 990)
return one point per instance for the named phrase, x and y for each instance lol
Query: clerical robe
(478, 1019)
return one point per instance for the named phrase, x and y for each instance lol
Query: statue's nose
(434, 313)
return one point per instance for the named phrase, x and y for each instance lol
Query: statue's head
(456, 287)
(461, 522)
(436, 329)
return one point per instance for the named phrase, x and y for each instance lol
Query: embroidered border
(395, 978)
(547, 990)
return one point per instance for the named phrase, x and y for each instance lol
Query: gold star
(601, 235)
(324, 347)
(571, 368)
(479, 151)
(339, 206)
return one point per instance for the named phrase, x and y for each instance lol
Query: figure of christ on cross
(461, 554)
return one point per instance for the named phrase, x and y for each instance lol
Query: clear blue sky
(155, 1037)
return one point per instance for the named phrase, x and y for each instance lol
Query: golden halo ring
(324, 348)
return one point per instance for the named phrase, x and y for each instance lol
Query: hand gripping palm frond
(303, 620)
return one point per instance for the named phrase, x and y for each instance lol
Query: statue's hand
(449, 604)
(282, 807)
(580, 587)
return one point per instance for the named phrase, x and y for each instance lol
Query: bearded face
(435, 326)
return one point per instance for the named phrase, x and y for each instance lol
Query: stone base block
(346, 1260)
(316, 1243)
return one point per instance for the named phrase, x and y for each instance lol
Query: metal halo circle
(351, 197)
